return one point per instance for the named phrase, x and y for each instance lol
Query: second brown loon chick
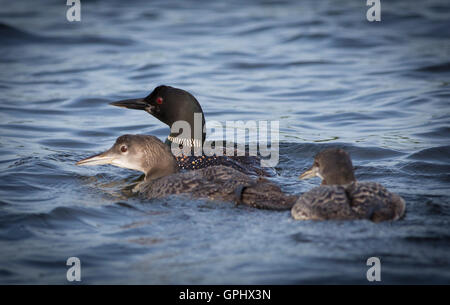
(341, 197)
(152, 157)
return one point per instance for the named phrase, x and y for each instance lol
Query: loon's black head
(169, 105)
(333, 166)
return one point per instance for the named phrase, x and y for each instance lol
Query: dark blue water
(330, 77)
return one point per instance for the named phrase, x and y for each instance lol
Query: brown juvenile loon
(149, 155)
(170, 105)
(341, 197)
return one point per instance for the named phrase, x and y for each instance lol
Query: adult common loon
(342, 197)
(171, 105)
(149, 155)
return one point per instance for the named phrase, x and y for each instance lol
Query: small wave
(147, 67)
(59, 217)
(151, 75)
(305, 150)
(439, 68)
(255, 30)
(441, 132)
(12, 35)
(67, 71)
(245, 65)
(66, 143)
(434, 154)
(428, 239)
(88, 103)
(439, 171)
(308, 36)
(347, 42)
(309, 63)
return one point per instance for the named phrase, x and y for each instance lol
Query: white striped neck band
(186, 142)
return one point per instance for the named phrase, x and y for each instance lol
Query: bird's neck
(186, 142)
(188, 130)
(185, 146)
(188, 133)
(167, 165)
(339, 179)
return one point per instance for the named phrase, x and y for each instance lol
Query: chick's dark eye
(159, 100)
(123, 148)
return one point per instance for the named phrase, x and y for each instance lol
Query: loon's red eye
(123, 148)
(159, 100)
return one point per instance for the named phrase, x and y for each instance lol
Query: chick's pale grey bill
(99, 159)
(309, 173)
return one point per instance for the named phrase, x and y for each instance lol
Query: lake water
(381, 90)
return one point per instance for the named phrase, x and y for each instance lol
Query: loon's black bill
(137, 103)
(99, 159)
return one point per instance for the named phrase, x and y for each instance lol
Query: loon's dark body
(341, 197)
(219, 183)
(357, 200)
(248, 165)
